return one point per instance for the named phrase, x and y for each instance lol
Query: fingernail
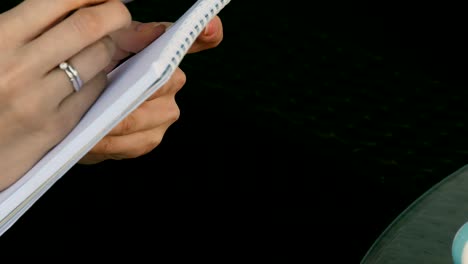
(156, 27)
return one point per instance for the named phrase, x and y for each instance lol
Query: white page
(129, 85)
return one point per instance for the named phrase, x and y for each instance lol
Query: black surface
(321, 123)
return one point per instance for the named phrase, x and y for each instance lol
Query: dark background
(309, 129)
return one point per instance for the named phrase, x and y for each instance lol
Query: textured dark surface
(425, 232)
(338, 116)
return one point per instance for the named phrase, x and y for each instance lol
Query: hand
(142, 130)
(38, 105)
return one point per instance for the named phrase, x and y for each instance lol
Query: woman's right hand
(38, 105)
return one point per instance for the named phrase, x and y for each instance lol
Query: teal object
(430, 230)
(458, 246)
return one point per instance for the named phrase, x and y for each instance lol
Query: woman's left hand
(142, 130)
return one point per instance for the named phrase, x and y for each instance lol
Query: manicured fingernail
(156, 27)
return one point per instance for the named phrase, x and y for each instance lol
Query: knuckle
(90, 21)
(174, 112)
(105, 146)
(149, 143)
(86, 22)
(180, 79)
(124, 15)
(119, 13)
(107, 48)
(153, 142)
(128, 124)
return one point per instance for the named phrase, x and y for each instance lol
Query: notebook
(130, 84)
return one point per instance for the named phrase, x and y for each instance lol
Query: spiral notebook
(130, 85)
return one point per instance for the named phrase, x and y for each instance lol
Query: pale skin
(38, 105)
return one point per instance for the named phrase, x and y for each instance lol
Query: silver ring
(72, 74)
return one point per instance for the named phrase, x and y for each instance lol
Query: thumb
(138, 36)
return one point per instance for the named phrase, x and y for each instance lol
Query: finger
(211, 37)
(119, 55)
(133, 39)
(149, 115)
(76, 104)
(138, 36)
(84, 27)
(89, 62)
(175, 83)
(38, 15)
(129, 146)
